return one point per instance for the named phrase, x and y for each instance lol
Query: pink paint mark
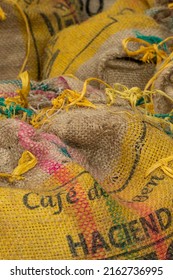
(38, 146)
(8, 94)
(50, 166)
(61, 81)
(52, 138)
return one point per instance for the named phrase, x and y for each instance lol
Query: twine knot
(149, 53)
(132, 95)
(22, 97)
(25, 163)
(67, 99)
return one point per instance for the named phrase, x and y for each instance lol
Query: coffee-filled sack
(100, 52)
(26, 30)
(92, 183)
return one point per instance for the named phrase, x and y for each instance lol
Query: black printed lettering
(96, 192)
(147, 189)
(93, 193)
(123, 11)
(99, 9)
(47, 201)
(51, 61)
(58, 19)
(140, 198)
(27, 198)
(71, 196)
(48, 24)
(169, 253)
(98, 242)
(154, 179)
(80, 244)
(121, 235)
(163, 214)
(50, 201)
(135, 230)
(112, 238)
(59, 203)
(127, 234)
(149, 225)
(61, 6)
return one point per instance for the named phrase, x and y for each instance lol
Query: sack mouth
(116, 68)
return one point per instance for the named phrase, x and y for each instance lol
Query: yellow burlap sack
(99, 52)
(48, 223)
(52, 208)
(28, 27)
(89, 8)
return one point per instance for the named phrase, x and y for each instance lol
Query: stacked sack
(163, 14)
(67, 189)
(26, 30)
(100, 52)
(88, 8)
(86, 171)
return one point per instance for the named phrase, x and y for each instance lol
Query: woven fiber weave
(100, 53)
(91, 183)
(25, 32)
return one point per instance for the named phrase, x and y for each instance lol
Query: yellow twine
(133, 94)
(24, 92)
(149, 51)
(71, 98)
(81, 96)
(40, 118)
(163, 164)
(72, 76)
(170, 6)
(28, 48)
(2, 14)
(59, 103)
(25, 163)
(64, 101)
(168, 62)
(147, 109)
(22, 97)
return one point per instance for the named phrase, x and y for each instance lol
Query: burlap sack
(164, 105)
(28, 27)
(52, 208)
(100, 52)
(40, 95)
(162, 2)
(162, 15)
(90, 8)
